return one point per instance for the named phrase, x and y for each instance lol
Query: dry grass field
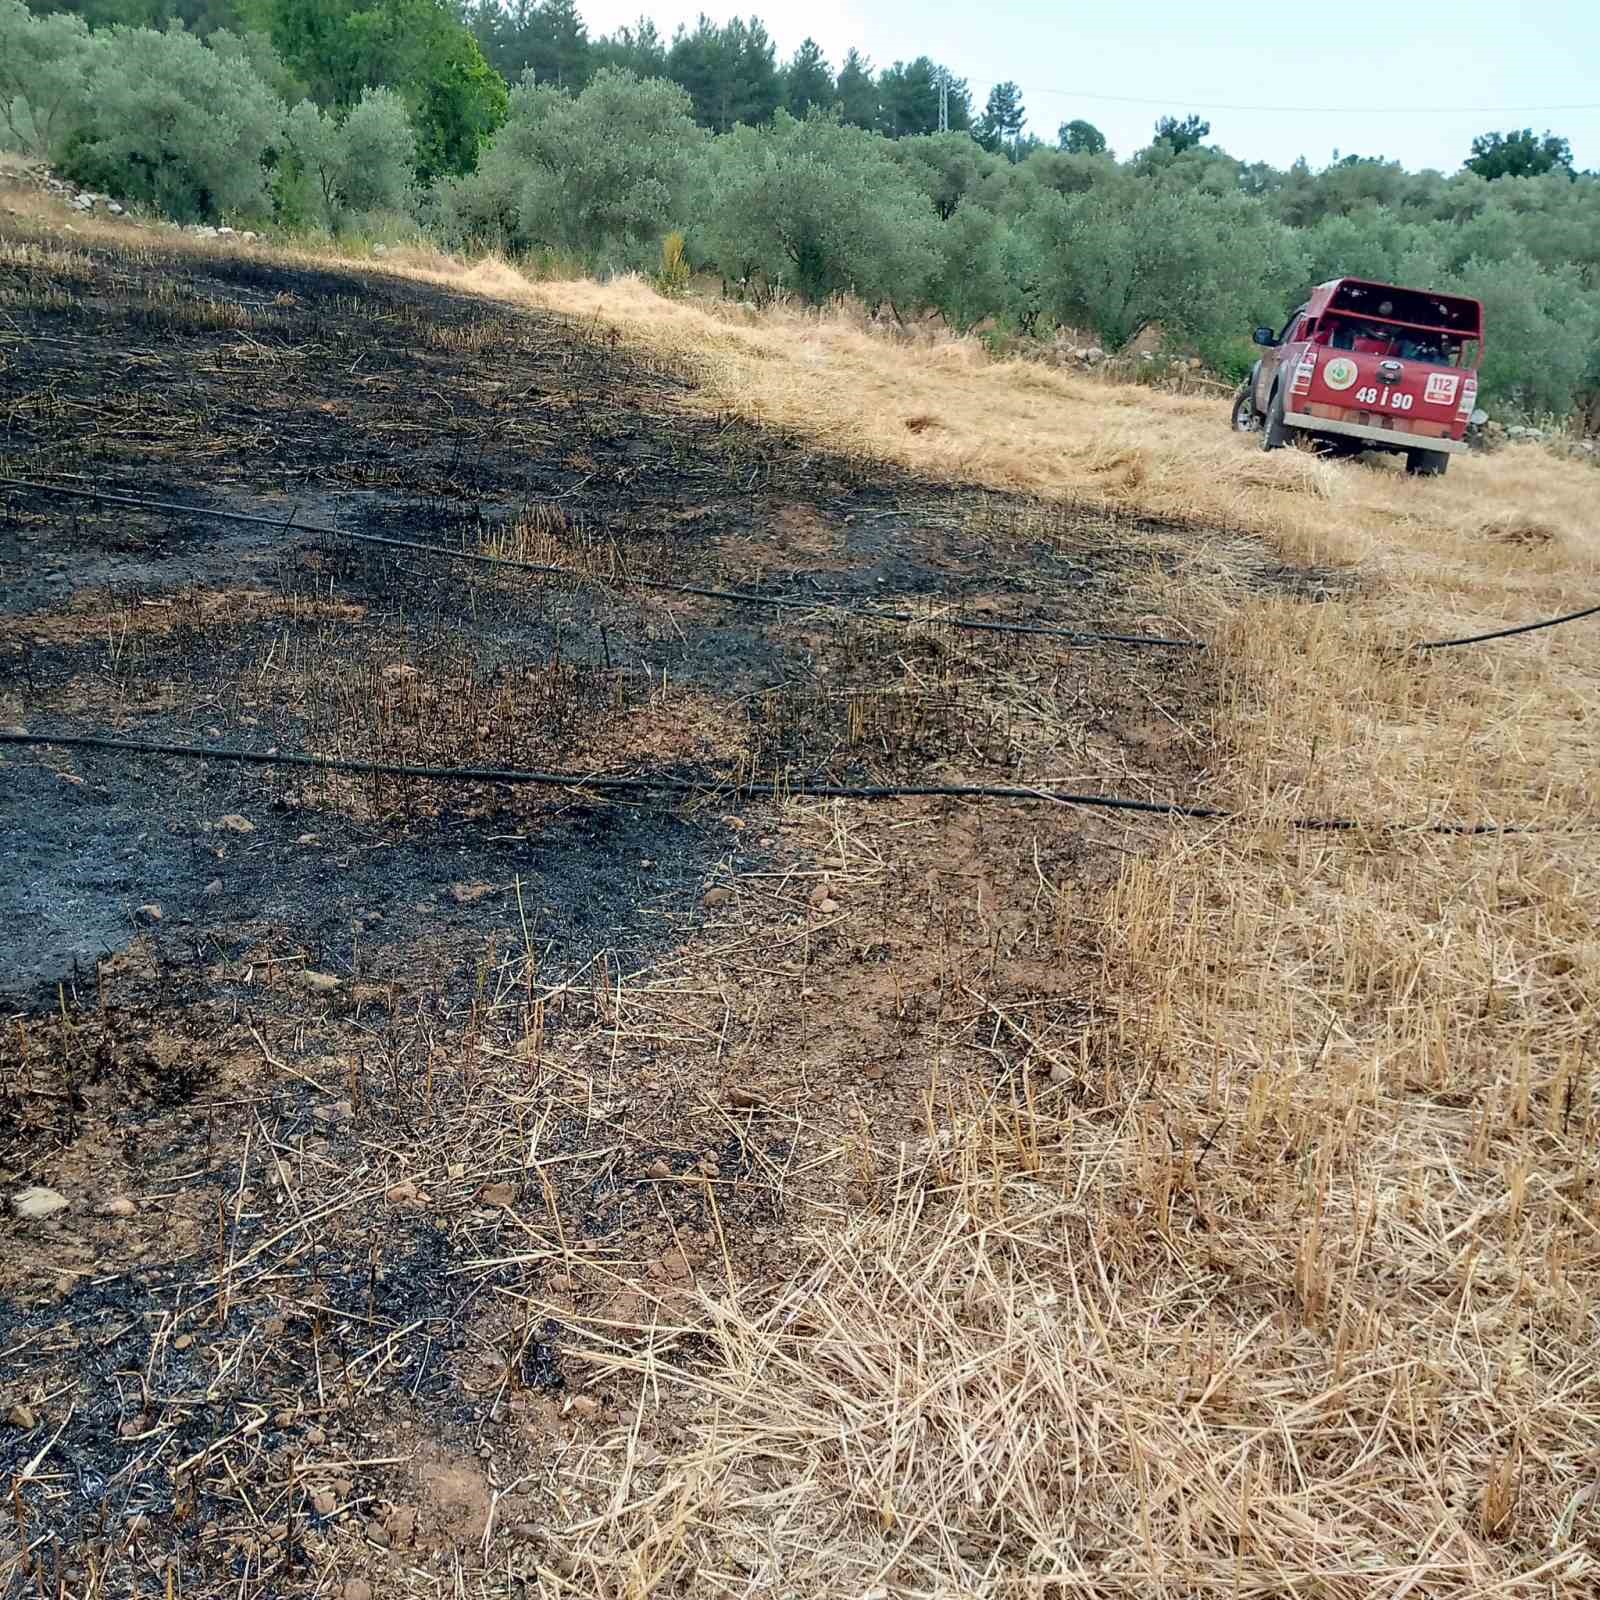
(1293, 1292)
(943, 1199)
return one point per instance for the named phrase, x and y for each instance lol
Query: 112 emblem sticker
(1441, 390)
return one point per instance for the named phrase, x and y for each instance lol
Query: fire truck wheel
(1426, 463)
(1246, 419)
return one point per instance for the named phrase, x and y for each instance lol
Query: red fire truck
(1368, 366)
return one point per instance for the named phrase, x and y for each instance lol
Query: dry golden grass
(949, 410)
(1282, 1276)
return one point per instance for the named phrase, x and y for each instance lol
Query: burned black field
(360, 1103)
(380, 406)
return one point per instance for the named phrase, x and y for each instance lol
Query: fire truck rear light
(1469, 400)
(1302, 373)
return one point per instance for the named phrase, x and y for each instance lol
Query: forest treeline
(513, 128)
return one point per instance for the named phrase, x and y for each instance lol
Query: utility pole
(944, 101)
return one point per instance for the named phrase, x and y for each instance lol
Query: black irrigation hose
(737, 596)
(1506, 633)
(775, 602)
(600, 784)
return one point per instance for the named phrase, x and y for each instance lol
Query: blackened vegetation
(260, 1306)
(358, 900)
(312, 1069)
(151, 1426)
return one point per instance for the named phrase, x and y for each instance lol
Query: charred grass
(386, 1110)
(800, 1198)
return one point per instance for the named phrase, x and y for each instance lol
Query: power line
(1190, 103)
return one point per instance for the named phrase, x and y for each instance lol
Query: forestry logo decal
(1441, 390)
(1340, 373)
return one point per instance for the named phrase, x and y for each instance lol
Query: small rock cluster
(81, 200)
(87, 202)
(1491, 435)
(1093, 356)
(203, 230)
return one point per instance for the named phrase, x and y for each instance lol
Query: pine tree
(731, 73)
(857, 91)
(638, 50)
(807, 80)
(558, 45)
(1181, 136)
(696, 62)
(1003, 117)
(755, 88)
(908, 98)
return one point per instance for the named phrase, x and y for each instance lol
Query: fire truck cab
(1368, 366)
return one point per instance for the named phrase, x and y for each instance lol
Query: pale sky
(1398, 68)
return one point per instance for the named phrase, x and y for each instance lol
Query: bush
(820, 208)
(177, 126)
(673, 278)
(45, 67)
(603, 174)
(361, 164)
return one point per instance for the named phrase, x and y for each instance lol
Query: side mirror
(1265, 336)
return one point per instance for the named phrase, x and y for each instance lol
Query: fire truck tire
(1246, 419)
(1426, 463)
(1275, 432)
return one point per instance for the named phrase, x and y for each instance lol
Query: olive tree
(177, 125)
(1541, 328)
(1201, 264)
(45, 65)
(603, 174)
(361, 163)
(818, 207)
(948, 167)
(971, 281)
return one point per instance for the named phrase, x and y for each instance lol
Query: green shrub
(45, 65)
(176, 126)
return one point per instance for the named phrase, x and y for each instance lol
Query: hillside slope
(472, 1189)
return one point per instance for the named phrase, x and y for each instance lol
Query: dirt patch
(92, 839)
